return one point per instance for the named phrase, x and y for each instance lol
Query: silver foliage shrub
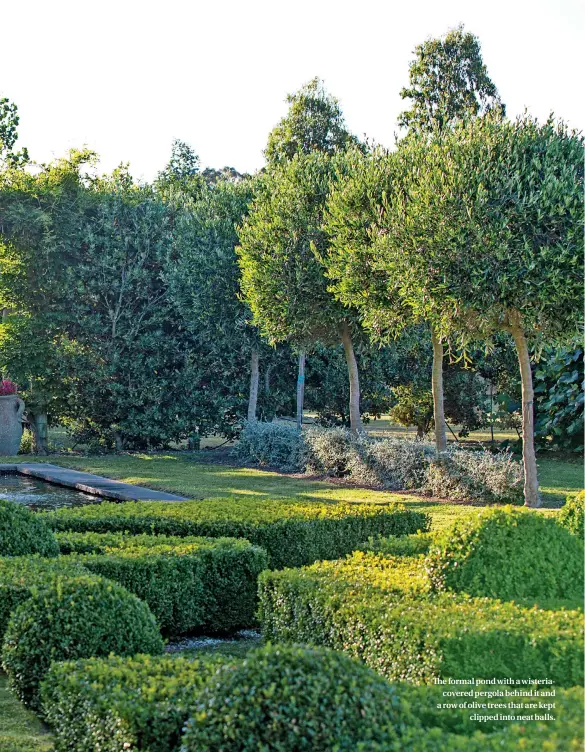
(390, 464)
(275, 445)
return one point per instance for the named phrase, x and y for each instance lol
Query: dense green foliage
(22, 532)
(284, 698)
(448, 83)
(313, 123)
(73, 617)
(572, 514)
(139, 703)
(380, 610)
(509, 554)
(293, 533)
(188, 583)
(22, 576)
(558, 389)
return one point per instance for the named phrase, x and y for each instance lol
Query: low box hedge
(510, 554)
(381, 611)
(23, 532)
(21, 576)
(572, 514)
(74, 617)
(189, 583)
(293, 533)
(295, 699)
(113, 704)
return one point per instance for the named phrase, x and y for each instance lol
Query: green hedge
(73, 617)
(293, 533)
(189, 583)
(508, 553)
(381, 611)
(289, 698)
(279, 697)
(572, 513)
(403, 545)
(142, 702)
(23, 532)
(21, 576)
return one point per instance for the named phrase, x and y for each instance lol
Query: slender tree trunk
(531, 493)
(438, 400)
(267, 380)
(355, 419)
(254, 378)
(301, 389)
(39, 425)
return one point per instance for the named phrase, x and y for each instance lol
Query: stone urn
(11, 410)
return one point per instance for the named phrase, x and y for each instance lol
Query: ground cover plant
(189, 583)
(293, 533)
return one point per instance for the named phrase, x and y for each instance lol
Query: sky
(125, 78)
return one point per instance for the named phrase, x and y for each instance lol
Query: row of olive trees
(472, 225)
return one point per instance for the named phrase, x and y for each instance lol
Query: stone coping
(89, 483)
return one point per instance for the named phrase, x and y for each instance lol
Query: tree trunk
(254, 378)
(267, 380)
(355, 419)
(531, 493)
(39, 425)
(301, 389)
(438, 402)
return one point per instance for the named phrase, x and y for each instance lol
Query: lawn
(19, 724)
(182, 474)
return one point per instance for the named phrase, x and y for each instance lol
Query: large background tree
(448, 83)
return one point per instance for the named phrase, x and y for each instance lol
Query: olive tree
(283, 278)
(489, 235)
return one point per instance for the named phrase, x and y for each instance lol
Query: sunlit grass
(183, 475)
(20, 724)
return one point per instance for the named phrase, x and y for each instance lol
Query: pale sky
(127, 77)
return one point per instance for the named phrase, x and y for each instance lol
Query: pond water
(40, 495)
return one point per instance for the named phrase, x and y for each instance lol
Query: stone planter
(11, 410)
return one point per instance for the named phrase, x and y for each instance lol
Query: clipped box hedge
(74, 617)
(21, 576)
(508, 553)
(113, 704)
(380, 611)
(23, 532)
(293, 533)
(189, 583)
(296, 699)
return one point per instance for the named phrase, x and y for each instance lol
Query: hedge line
(511, 554)
(138, 703)
(381, 611)
(293, 533)
(22, 532)
(73, 617)
(21, 576)
(189, 583)
(280, 697)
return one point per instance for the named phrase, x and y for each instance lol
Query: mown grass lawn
(182, 474)
(19, 724)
